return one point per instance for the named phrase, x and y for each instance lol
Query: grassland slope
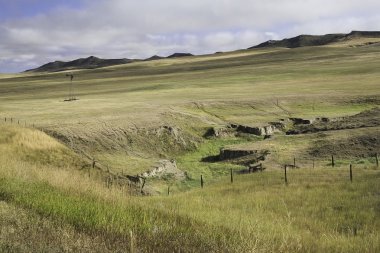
(132, 115)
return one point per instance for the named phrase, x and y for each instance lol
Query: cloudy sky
(34, 32)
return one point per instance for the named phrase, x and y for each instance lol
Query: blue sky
(34, 32)
(13, 9)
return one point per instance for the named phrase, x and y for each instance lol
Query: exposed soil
(238, 156)
(369, 118)
(362, 146)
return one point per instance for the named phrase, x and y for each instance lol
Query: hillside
(48, 206)
(120, 168)
(318, 40)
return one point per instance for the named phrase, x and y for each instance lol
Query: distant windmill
(71, 90)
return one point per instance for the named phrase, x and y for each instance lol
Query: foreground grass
(256, 214)
(22, 230)
(318, 211)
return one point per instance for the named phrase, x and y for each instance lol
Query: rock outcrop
(300, 121)
(260, 131)
(164, 168)
(229, 154)
(234, 129)
(220, 132)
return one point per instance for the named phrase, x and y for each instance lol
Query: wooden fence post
(202, 181)
(286, 177)
(294, 162)
(313, 163)
(142, 187)
(168, 190)
(332, 161)
(131, 243)
(377, 160)
(351, 172)
(232, 177)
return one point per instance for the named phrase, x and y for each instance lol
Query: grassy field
(319, 210)
(130, 116)
(121, 107)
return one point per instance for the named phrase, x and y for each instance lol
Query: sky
(34, 32)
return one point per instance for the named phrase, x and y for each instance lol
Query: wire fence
(299, 170)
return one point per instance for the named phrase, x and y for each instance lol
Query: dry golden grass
(257, 213)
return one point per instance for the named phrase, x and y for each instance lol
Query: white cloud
(141, 28)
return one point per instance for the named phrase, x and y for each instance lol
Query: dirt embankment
(369, 118)
(363, 145)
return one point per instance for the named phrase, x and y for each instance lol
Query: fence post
(142, 187)
(201, 181)
(313, 163)
(332, 161)
(131, 243)
(168, 190)
(232, 177)
(286, 177)
(351, 172)
(377, 160)
(294, 162)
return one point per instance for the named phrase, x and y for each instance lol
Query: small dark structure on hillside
(71, 89)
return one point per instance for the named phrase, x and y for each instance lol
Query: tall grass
(258, 213)
(319, 210)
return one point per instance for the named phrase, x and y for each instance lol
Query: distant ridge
(177, 55)
(317, 40)
(154, 57)
(93, 62)
(298, 41)
(82, 63)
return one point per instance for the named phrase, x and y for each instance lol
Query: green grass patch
(193, 165)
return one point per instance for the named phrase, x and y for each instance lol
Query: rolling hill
(299, 41)
(93, 62)
(318, 40)
(82, 63)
